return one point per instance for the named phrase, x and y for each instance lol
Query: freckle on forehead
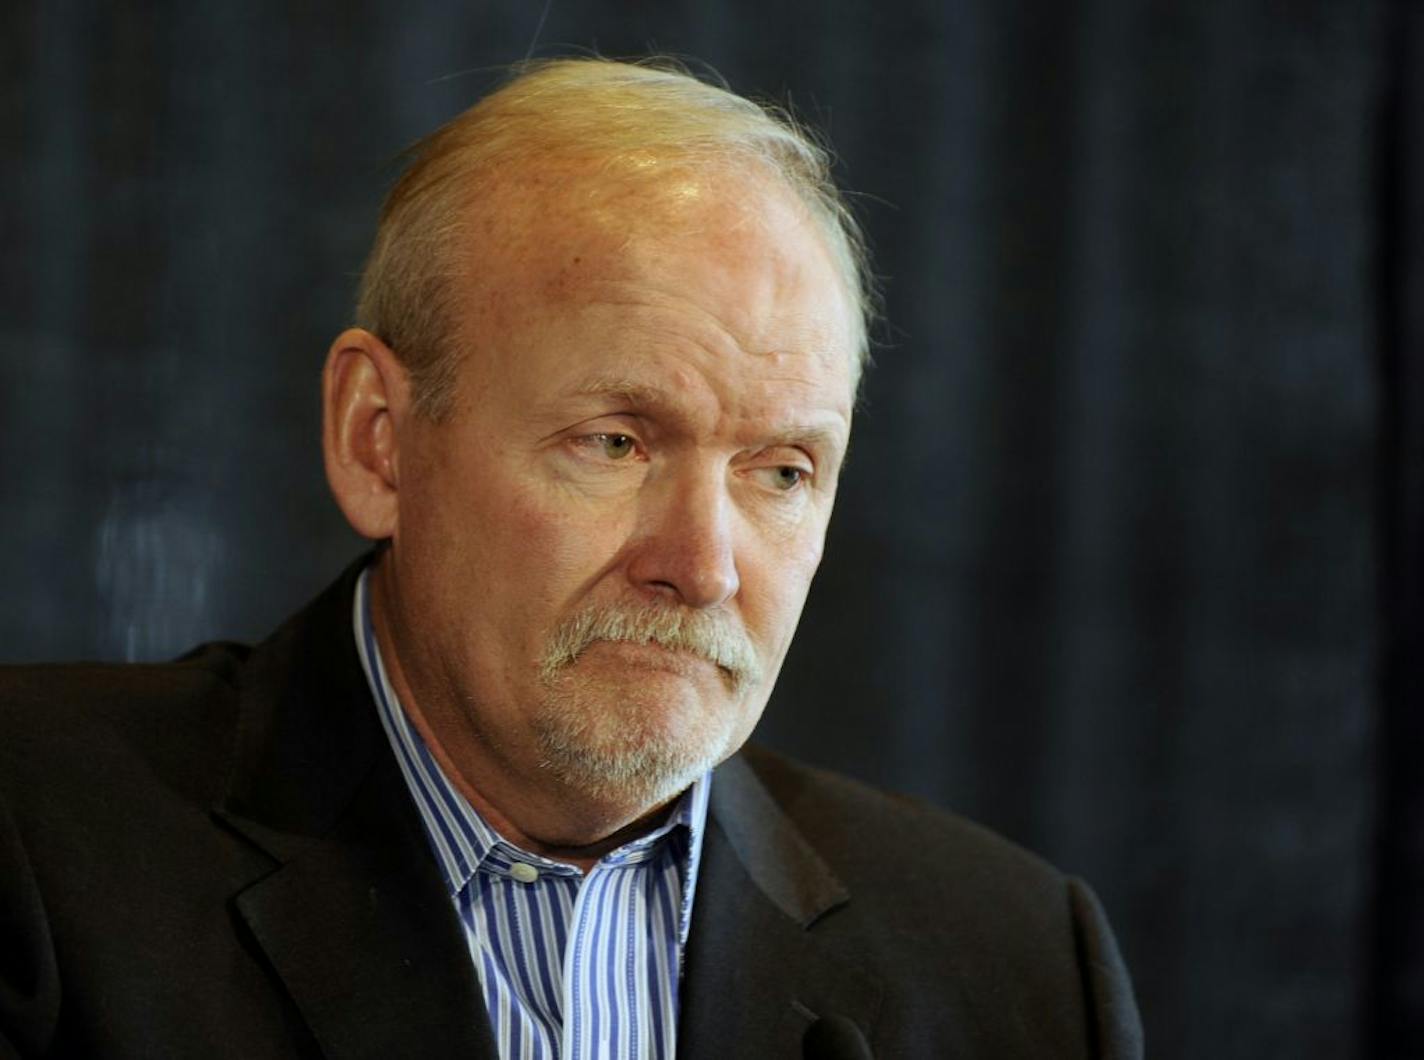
(557, 239)
(579, 200)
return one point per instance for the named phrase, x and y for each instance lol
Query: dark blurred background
(1129, 562)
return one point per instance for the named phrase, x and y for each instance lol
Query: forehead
(729, 262)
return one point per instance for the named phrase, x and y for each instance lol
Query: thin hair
(559, 111)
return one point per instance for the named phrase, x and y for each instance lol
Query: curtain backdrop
(1129, 561)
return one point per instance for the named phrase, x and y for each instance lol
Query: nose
(685, 549)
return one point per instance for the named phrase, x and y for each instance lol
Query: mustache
(712, 635)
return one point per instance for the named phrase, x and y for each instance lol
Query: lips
(654, 656)
(695, 638)
(658, 656)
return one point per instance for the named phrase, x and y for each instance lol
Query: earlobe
(364, 399)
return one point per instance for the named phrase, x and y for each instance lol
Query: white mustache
(712, 635)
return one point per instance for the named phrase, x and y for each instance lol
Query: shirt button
(523, 872)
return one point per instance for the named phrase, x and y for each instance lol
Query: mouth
(688, 643)
(654, 656)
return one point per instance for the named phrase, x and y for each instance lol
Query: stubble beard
(605, 739)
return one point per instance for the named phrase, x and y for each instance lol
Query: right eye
(607, 447)
(615, 446)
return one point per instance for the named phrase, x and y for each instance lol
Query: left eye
(787, 477)
(615, 446)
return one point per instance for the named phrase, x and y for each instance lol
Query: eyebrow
(619, 387)
(657, 399)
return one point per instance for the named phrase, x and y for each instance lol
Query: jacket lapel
(757, 974)
(354, 918)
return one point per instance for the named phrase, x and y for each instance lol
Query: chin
(636, 751)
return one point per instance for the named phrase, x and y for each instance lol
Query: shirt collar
(463, 842)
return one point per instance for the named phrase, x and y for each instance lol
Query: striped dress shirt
(573, 966)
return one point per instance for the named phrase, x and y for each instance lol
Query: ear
(365, 399)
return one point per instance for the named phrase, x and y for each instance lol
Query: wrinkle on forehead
(576, 218)
(575, 241)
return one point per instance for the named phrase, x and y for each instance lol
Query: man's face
(603, 552)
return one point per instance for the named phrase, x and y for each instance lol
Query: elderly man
(488, 796)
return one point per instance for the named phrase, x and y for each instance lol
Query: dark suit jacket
(218, 858)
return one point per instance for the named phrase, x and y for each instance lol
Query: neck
(528, 808)
(579, 839)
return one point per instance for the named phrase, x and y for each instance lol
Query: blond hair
(569, 109)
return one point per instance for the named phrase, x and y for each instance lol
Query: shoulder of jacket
(851, 822)
(60, 716)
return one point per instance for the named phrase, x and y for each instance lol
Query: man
(485, 796)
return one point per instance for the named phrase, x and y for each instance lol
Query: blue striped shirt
(583, 967)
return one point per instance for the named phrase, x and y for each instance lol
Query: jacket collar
(757, 974)
(353, 917)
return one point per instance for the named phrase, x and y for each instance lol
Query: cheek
(775, 584)
(555, 551)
